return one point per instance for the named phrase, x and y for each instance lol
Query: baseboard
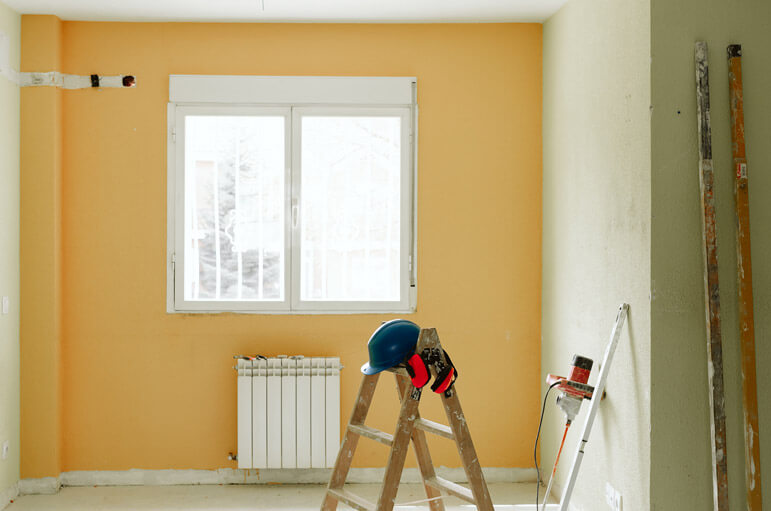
(8, 495)
(140, 477)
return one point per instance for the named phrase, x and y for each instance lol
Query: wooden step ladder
(410, 426)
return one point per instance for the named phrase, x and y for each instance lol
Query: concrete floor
(506, 496)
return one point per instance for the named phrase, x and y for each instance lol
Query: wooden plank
(744, 271)
(452, 488)
(712, 292)
(404, 428)
(345, 454)
(459, 427)
(435, 428)
(420, 446)
(372, 433)
(352, 499)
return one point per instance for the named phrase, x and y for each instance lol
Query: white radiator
(288, 412)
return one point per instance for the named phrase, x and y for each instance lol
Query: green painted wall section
(10, 25)
(596, 235)
(680, 456)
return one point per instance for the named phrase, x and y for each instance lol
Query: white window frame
(291, 97)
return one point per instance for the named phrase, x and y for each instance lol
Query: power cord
(535, 448)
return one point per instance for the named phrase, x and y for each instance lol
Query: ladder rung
(435, 428)
(374, 434)
(453, 489)
(352, 499)
(398, 370)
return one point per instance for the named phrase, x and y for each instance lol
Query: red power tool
(574, 389)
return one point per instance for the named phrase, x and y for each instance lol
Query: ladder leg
(348, 446)
(466, 449)
(401, 444)
(420, 446)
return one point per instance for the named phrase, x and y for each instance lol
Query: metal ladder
(410, 426)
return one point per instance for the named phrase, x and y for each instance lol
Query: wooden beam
(457, 490)
(712, 291)
(351, 438)
(420, 446)
(744, 271)
(372, 433)
(353, 500)
(435, 428)
(460, 431)
(401, 443)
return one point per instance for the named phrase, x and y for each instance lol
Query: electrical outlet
(612, 497)
(6, 448)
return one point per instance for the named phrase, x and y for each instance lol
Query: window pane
(350, 208)
(234, 208)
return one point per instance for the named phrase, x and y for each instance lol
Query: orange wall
(145, 389)
(41, 253)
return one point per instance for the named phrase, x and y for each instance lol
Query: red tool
(574, 388)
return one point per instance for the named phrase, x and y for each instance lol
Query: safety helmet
(390, 344)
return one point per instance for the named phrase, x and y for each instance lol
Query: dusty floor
(506, 497)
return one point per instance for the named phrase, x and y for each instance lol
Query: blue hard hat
(390, 344)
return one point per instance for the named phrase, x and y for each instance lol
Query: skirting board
(140, 477)
(8, 495)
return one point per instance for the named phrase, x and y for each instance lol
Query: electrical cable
(535, 447)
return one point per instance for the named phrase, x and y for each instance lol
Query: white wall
(680, 439)
(10, 25)
(596, 234)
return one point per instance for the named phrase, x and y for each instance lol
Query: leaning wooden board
(712, 291)
(744, 270)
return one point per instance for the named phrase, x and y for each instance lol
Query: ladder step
(374, 434)
(453, 489)
(435, 428)
(352, 499)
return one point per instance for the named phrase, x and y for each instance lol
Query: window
(291, 194)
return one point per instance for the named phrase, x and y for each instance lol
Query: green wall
(596, 234)
(681, 477)
(10, 25)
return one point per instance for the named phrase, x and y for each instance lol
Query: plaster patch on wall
(66, 81)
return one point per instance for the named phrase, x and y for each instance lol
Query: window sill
(411, 310)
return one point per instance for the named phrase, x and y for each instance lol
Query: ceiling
(357, 11)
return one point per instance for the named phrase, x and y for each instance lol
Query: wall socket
(6, 448)
(612, 497)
